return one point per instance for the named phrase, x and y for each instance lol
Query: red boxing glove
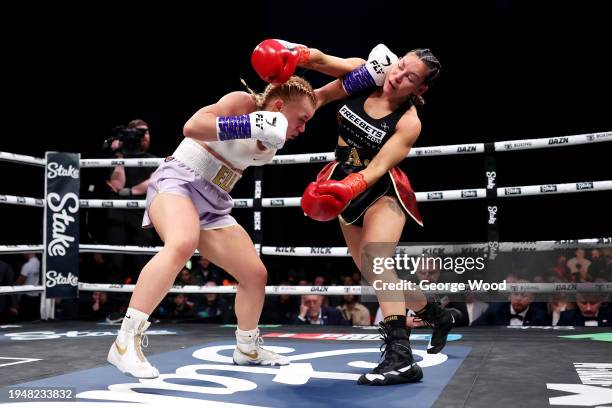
(276, 60)
(326, 200)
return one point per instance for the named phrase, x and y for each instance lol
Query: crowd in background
(520, 308)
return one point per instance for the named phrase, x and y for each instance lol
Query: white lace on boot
(126, 353)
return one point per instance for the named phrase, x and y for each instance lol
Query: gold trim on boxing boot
(121, 350)
(253, 356)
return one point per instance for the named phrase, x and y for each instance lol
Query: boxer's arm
(395, 150)
(203, 126)
(357, 73)
(331, 65)
(331, 92)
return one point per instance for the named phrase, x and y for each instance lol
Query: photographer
(131, 183)
(130, 142)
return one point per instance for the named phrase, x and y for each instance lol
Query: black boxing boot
(441, 321)
(398, 365)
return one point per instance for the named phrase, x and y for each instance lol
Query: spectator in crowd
(66, 309)
(184, 277)
(334, 280)
(214, 308)
(336, 301)
(597, 269)
(125, 225)
(100, 306)
(353, 311)
(292, 277)
(281, 308)
(28, 305)
(607, 254)
(304, 282)
(204, 271)
(559, 303)
(474, 308)
(512, 278)
(591, 311)
(579, 267)
(348, 281)
(97, 269)
(559, 272)
(93, 268)
(312, 312)
(179, 306)
(7, 278)
(319, 281)
(519, 311)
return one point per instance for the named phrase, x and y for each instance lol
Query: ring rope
(445, 195)
(322, 251)
(469, 148)
(604, 287)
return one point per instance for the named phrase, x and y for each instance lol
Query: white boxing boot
(249, 351)
(126, 352)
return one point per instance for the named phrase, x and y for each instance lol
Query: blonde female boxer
(189, 205)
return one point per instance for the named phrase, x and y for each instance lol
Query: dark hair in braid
(432, 63)
(430, 60)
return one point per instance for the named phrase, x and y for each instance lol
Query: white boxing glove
(379, 61)
(372, 73)
(268, 127)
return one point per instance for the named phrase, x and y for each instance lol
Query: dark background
(511, 70)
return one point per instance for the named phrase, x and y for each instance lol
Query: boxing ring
(479, 367)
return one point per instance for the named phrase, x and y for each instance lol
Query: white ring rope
(560, 141)
(322, 251)
(11, 290)
(24, 201)
(93, 163)
(469, 148)
(579, 187)
(21, 159)
(445, 195)
(523, 144)
(527, 246)
(123, 204)
(21, 249)
(331, 290)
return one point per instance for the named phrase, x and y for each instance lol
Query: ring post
(60, 269)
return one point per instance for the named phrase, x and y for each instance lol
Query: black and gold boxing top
(360, 130)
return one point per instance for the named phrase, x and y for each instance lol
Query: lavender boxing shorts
(174, 177)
